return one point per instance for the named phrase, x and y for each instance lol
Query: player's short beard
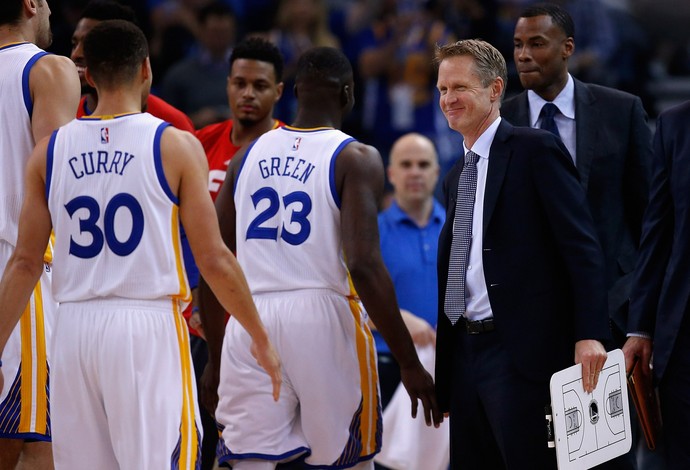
(247, 122)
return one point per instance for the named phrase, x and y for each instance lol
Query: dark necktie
(548, 122)
(454, 303)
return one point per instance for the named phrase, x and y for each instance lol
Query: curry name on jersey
(115, 217)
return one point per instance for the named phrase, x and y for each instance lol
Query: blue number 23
(257, 230)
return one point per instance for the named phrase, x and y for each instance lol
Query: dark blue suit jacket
(543, 265)
(614, 154)
(661, 290)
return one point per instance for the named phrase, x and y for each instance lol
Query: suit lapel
(585, 131)
(498, 164)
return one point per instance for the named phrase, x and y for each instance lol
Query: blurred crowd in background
(639, 46)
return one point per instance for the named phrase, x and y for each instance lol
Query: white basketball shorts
(329, 407)
(124, 395)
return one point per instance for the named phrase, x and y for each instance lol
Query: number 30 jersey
(288, 212)
(115, 218)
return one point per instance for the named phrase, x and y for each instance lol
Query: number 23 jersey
(115, 218)
(288, 212)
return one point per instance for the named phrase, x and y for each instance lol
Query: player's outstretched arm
(187, 170)
(55, 92)
(212, 312)
(359, 178)
(26, 264)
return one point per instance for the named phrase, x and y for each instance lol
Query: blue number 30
(107, 234)
(299, 217)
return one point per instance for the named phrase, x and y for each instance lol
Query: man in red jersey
(254, 87)
(95, 12)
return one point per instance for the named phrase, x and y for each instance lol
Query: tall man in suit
(520, 270)
(606, 134)
(659, 299)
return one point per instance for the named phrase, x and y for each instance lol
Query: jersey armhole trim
(50, 154)
(26, 92)
(158, 162)
(331, 176)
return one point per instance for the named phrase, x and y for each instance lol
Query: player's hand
(420, 386)
(209, 388)
(267, 357)
(592, 355)
(195, 322)
(422, 332)
(640, 348)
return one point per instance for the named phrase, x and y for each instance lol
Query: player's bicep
(225, 202)
(35, 222)
(187, 172)
(362, 177)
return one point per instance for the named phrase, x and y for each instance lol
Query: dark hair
(324, 65)
(102, 10)
(558, 14)
(10, 11)
(114, 50)
(255, 48)
(214, 9)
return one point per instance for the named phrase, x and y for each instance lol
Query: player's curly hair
(256, 48)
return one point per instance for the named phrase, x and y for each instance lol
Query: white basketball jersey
(16, 137)
(115, 218)
(288, 212)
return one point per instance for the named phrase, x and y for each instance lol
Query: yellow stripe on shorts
(366, 351)
(34, 373)
(189, 439)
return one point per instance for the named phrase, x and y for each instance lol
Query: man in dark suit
(659, 300)
(520, 270)
(604, 130)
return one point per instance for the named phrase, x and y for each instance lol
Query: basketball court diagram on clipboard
(591, 428)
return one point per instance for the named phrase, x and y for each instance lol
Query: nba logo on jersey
(295, 146)
(105, 137)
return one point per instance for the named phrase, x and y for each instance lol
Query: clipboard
(647, 407)
(591, 428)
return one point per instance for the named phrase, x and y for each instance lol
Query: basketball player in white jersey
(300, 207)
(39, 93)
(114, 187)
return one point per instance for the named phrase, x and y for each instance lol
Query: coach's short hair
(559, 16)
(488, 60)
(114, 50)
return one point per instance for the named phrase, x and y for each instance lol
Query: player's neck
(117, 102)
(242, 135)
(13, 34)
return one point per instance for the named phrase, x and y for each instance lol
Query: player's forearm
(231, 290)
(213, 321)
(376, 290)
